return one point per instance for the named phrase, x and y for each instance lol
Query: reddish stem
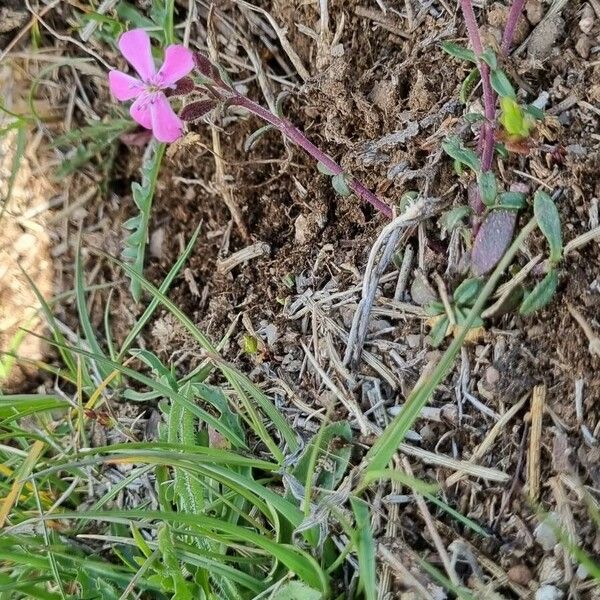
(489, 101)
(514, 15)
(298, 138)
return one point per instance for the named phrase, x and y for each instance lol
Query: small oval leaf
(454, 217)
(514, 200)
(196, 110)
(548, 220)
(541, 294)
(488, 187)
(340, 185)
(466, 293)
(493, 238)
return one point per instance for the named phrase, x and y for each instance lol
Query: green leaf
(135, 244)
(459, 52)
(296, 590)
(512, 118)
(323, 168)
(488, 187)
(489, 57)
(438, 331)
(462, 318)
(541, 294)
(333, 443)
(515, 200)
(537, 113)
(466, 293)
(454, 217)
(474, 117)
(502, 84)
(501, 150)
(454, 148)
(548, 220)
(366, 548)
(434, 309)
(253, 138)
(468, 85)
(340, 185)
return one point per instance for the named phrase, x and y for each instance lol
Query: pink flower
(151, 109)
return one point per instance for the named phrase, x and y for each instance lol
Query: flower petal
(166, 125)
(124, 87)
(179, 61)
(140, 111)
(135, 46)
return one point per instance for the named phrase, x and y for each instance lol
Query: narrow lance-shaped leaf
(541, 294)
(502, 85)
(454, 148)
(548, 220)
(459, 52)
(493, 238)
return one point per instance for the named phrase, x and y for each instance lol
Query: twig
(243, 255)
(433, 532)
(538, 401)
(593, 339)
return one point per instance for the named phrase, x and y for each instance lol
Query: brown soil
(373, 82)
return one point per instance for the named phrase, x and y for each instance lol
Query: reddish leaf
(204, 65)
(196, 110)
(183, 87)
(493, 238)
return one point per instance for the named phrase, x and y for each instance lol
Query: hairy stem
(298, 138)
(489, 100)
(514, 15)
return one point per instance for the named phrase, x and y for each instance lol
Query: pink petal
(140, 111)
(166, 125)
(179, 61)
(135, 46)
(124, 87)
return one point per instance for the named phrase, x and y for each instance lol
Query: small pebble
(549, 592)
(520, 574)
(586, 23)
(534, 11)
(545, 37)
(545, 536)
(414, 340)
(492, 376)
(583, 46)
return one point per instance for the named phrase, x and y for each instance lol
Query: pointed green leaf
(502, 84)
(548, 220)
(541, 294)
(489, 57)
(438, 331)
(454, 148)
(459, 52)
(466, 293)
